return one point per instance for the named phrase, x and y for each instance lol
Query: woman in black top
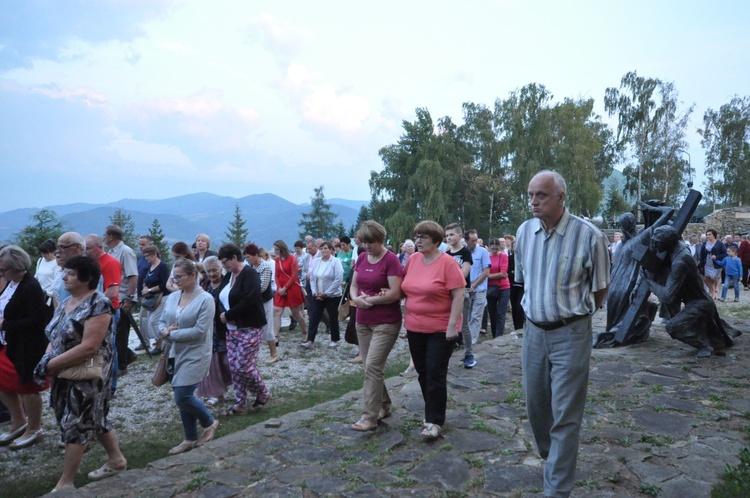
(22, 345)
(153, 294)
(243, 314)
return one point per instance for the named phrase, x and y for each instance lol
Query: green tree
(157, 239)
(477, 173)
(340, 229)
(44, 225)
(726, 140)
(652, 129)
(523, 126)
(236, 232)
(490, 159)
(320, 221)
(425, 177)
(583, 151)
(671, 171)
(614, 205)
(364, 214)
(126, 224)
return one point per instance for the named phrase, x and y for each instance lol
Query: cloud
(41, 29)
(323, 106)
(203, 116)
(149, 153)
(282, 38)
(85, 96)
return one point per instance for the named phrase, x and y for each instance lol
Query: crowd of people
(211, 311)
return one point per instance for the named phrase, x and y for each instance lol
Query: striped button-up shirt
(562, 269)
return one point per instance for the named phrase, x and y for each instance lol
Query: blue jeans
(727, 280)
(192, 410)
(497, 305)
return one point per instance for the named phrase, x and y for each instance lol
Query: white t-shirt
(224, 299)
(46, 272)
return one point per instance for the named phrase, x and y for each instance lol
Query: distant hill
(268, 216)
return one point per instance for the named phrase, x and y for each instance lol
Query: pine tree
(236, 232)
(126, 224)
(320, 220)
(45, 225)
(157, 239)
(364, 214)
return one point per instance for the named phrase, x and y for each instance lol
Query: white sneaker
(333, 344)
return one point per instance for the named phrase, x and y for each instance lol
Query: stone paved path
(657, 420)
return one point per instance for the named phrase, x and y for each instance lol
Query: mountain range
(268, 217)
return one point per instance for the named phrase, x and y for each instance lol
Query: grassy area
(154, 444)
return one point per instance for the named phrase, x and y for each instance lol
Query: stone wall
(725, 221)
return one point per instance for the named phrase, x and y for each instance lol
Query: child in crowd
(732, 272)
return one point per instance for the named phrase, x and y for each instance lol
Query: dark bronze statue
(691, 313)
(629, 312)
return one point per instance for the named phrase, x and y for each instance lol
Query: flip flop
(208, 434)
(105, 471)
(362, 425)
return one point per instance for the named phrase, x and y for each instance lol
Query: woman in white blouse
(326, 276)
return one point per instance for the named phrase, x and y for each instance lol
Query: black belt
(558, 323)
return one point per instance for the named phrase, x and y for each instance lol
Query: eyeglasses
(421, 237)
(224, 261)
(62, 247)
(176, 277)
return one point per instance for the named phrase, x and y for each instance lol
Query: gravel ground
(140, 408)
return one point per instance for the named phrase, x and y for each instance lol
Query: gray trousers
(555, 380)
(474, 303)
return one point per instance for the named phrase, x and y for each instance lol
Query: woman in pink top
(434, 289)
(376, 291)
(498, 287)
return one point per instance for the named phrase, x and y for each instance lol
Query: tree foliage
(477, 173)
(651, 129)
(126, 224)
(365, 213)
(320, 221)
(237, 233)
(44, 225)
(726, 140)
(157, 239)
(614, 205)
(422, 179)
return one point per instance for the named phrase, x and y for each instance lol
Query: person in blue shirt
(732, 272)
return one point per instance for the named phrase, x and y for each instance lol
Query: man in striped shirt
(563, 262)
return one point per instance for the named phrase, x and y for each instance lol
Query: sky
(108, 99)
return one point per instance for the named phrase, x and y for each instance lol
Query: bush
(735, 481)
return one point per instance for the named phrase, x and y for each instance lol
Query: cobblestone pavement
(657, 421)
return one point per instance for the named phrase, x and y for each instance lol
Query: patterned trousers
(242, 355)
